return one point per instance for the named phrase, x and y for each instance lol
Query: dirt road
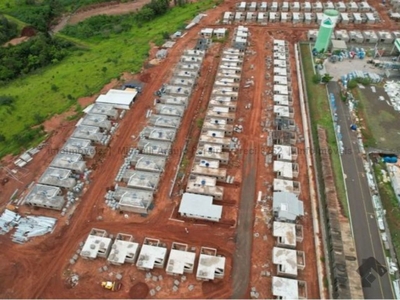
(112, 8)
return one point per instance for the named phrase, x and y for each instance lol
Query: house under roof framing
(58, 177)
(45, 196)
(70, 161)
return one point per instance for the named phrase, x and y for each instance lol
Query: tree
(326, 78)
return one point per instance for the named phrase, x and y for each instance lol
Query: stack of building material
(33, 226)
(26, 227)
(392, 88)
(8, 221)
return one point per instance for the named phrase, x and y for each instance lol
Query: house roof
(285, 288)
(199, 205)
(287, 205)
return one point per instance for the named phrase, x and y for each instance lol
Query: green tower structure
(328, 23)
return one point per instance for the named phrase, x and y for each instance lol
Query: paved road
(244, 236)
(365, 228)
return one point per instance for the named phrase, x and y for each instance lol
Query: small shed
(298, 17)
(342, 35)
(274, 17)
(241, 6)
(352, 6)
(356, 36)
(385, 37)
(285, 6)
(263, 6)
(253, 6)
(370, 18)
(329, 5)
(340, 6)
(312, 35)
(251, 16)
(370, 37)
(295, 6)
(344, 18)
(262, 17)
(309, 17)
(306, 6)
(285, 17)
(274, 6)
(317, 6)
(357, 18)
(320, 17)
(338, 45)
(228, 17)
(364, 7)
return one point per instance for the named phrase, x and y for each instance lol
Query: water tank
(326, 28)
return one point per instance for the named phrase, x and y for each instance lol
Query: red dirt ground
(41, 266)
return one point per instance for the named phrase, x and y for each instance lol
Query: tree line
(31, 55)
(8, 30)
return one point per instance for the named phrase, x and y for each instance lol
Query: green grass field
(390, 204)
(83, 73)
(320, 115)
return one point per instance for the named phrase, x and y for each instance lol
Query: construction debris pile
(392, 88)
(26, 227)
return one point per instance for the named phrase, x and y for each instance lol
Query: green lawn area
(320, 115)
(83, 73)
(390, 204)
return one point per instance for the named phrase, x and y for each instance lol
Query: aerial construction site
(191, 179)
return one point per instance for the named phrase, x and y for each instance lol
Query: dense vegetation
(8, 30)
(104, 26)
(24, 58)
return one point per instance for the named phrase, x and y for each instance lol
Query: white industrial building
(180, 261)
(287, 207)
(102, 109)
(79, 146)
(141, 179)
(288, 261)
(91, 133)
(70, 161)
(287, 234)
(100, 121)
(214, 152)
(289, 186)
(199, 207)
(154, 147)
(58, 177)
(151, 163)
(133, 200)
(158, 133)
(152, 255)
(123, 250)
(211, 266)
(121, 99)
(286, 288)
(96, 245)
(45, 196)
(285, 152)
(204, 185)
(165, 121)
